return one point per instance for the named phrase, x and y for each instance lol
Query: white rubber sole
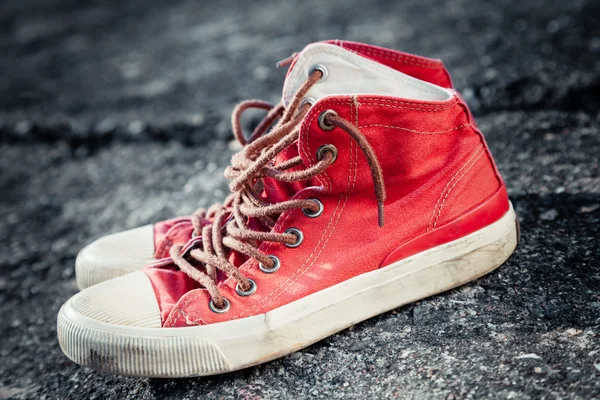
(228, 346)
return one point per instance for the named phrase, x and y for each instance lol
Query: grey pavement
(115, 114)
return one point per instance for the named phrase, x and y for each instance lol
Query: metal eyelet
(327, 148)
(299, 237)
(319, 67)
(275, 267)
(323, 120)
(248, 292)
(314, 214)
(307, 100)
(213, 307)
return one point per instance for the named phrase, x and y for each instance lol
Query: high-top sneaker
(124, 252)
(373, 190)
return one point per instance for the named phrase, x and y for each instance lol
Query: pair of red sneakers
(368, 187)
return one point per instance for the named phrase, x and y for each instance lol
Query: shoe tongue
(351, 73)
(276, 191)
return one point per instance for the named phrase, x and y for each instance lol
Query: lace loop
(236, 117)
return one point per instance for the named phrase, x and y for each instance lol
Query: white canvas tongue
(349, 73)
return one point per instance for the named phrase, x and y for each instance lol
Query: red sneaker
(372, 191)
(124, 252)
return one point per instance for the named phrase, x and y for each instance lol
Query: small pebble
(549, 215)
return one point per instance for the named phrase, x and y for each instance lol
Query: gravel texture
(116, 113)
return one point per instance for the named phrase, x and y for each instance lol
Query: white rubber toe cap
(115, 255)
(115, 327)
(125, 301)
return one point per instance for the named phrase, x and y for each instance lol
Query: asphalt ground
(115, 114)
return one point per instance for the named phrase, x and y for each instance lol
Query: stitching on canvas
(187, 301)
(356, 105)
(455, 183)
(400, 59)
(312, 257)
(408, 108)
(423, 103)
(475, 152)
(406, 59)
(365, 101)
(277, 291)
(415, 131)
(352, 167)
(328, 184)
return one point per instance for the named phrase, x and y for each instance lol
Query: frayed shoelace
(204, 216)
(229, 230)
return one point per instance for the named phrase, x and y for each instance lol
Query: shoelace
(230, 231)
(204, 216)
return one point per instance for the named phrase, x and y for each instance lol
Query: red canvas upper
(179, 230)
(441, 185)
(440, 179)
